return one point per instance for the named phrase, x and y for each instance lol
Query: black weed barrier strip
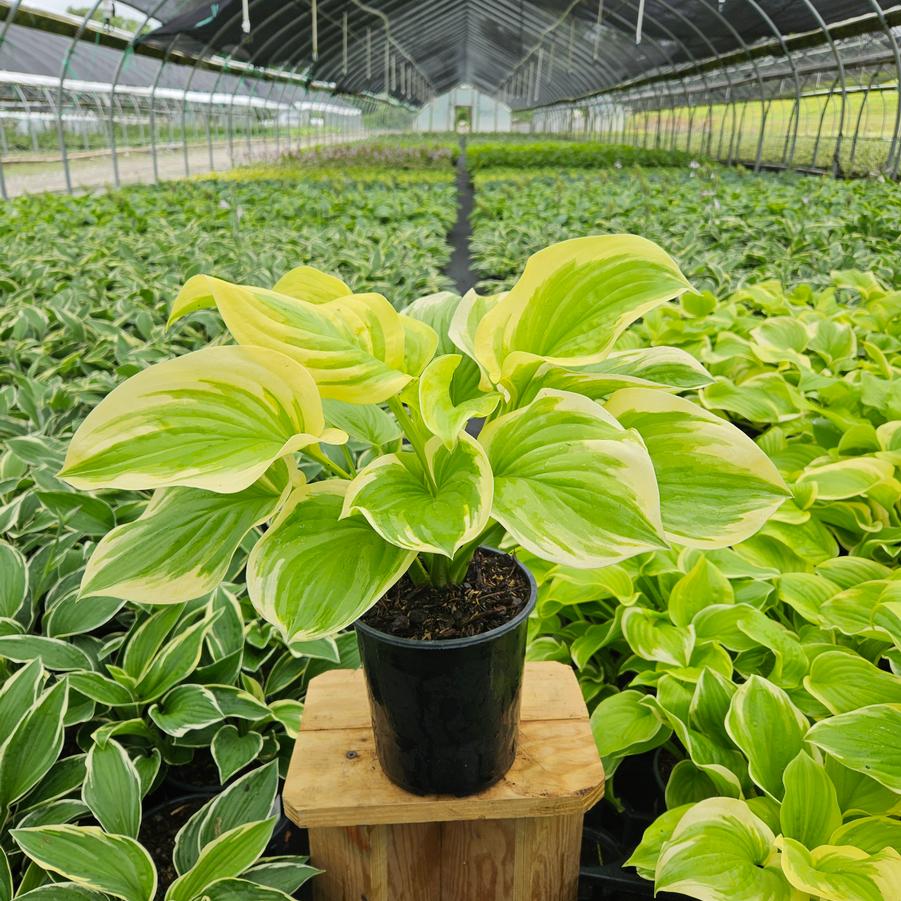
(459, 269)
(609, 836)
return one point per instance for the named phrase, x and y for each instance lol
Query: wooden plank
(344, 854)
(335, 780)
(477, 860)
(337, 699)
(414, 861)
(547, 858)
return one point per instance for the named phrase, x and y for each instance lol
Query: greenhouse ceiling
(529, 53)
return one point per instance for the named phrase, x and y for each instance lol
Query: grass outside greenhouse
(241, 412)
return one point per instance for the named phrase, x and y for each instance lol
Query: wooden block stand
(517, 841)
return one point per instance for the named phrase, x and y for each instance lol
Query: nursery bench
(517, 841)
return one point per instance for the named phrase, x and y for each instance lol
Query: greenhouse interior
(450, 450)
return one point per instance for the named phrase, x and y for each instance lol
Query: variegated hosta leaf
(449, 396)
(354, 346)
(668, 366)
(420, 341)
(721, 851)
(570, 484)
(436, 311)
(312, 285)
(214, 419)
(575, 298)
(865, 740)
(844, 681)
(716, 486)
(846, 478)
(114, 864)
(844, 873)
(313, 573)
(471, 310)
(181, 546)
(395, 495)
(760, 709)
(809, 811)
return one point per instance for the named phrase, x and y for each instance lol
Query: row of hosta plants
(727, 227)
(116, 708)
(767, 674)
(553, 153)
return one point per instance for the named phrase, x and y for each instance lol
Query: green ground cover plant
(86, 285)
(726, 227)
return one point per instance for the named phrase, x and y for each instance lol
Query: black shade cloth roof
(495, 45)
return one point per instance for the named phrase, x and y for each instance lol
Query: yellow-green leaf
(214, 419)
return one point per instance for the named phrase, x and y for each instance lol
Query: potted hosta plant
(587, 457)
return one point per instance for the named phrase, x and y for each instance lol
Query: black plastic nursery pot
(445, 713)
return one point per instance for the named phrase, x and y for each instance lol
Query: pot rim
(444, 644)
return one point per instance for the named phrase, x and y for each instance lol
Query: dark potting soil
(201, 774)
(494, 591)
(158, 830)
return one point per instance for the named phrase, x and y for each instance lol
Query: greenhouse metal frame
(809, 84)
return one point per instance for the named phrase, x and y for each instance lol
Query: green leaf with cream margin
(571, 485)
(717, 487)
(181, 546)
(865, 740)
(214, 419)
(444, 411)
(721, 851)
(358, 348)
(114, 864)
(841, 873)
(398, 499)
(574, 299)
(314, 573)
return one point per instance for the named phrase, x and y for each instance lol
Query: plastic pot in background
(445, 713)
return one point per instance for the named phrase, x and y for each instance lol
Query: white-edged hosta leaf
(445, 406)
(845, 873)
(174, 661)
(768, 728)
(720, 851)
(112, 789)
(13, 579)
(310, 284)
(32, 744)
(363, 422)
(353, 346)
(181, 546)
(870, 834)
(865, 740)
(248, 799)
(858, 794)
(243, 890)
(54, 654)
(716, 486)
(575, 298)
(184, 708)
(470, 311)
(570, 484)
(395, 495)
(846, 681)
(809, 811)
(846, 478)
(289, 713)
(233, 751)
(287, 874)
(215, 419)
(230, 854)
(61, 891)
(114, 864)
(314, 573)
(19, 691)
